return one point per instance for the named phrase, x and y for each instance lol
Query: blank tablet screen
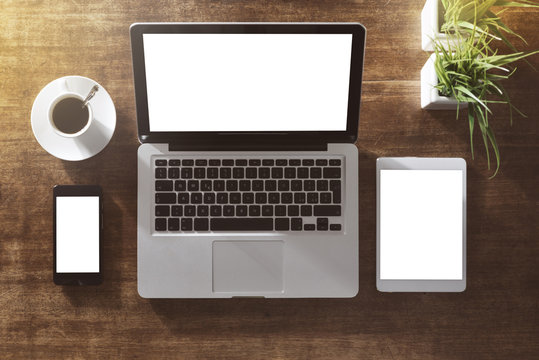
(421, 224)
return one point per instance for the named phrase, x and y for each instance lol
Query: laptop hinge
(247, 147)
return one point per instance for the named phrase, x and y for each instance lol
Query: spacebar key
(246, 224)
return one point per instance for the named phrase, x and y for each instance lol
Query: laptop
(247, 168)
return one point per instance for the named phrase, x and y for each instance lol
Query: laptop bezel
(223, 138)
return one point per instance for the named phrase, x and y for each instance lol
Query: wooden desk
(496, 318)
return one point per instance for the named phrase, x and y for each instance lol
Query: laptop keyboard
(220, 194)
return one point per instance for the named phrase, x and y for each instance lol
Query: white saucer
(90, 142)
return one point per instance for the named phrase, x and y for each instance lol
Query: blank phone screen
(421, 224)
(77, 234)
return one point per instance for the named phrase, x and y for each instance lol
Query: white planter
(430, 26)
(430, 98)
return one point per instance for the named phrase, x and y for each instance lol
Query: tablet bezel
(413, 163)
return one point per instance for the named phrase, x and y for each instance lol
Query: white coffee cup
(54, 103)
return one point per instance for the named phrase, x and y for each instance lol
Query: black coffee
(69, 116)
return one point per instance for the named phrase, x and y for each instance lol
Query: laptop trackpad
(248, 266)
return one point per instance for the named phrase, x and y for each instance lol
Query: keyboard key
(163, 185)
(270, 185)
(303, 173)
(201, 224)
(192, 185)
(162, 210)
(212, 173)
(332, 173)
(248, 198)
(215, 210)
(258, 185)
(335, 162)
(188, 163)
(228, 162)
(173, 224)
(280, 210)
(160, 162)
(309, 227)
(160, 224)
(316, 173)
(286, 198)
(241, 162)
(261, 198)
(307, 162)
(200, 173)
(267, 162)
(235, 198)
(254, 210)
(225, 173)
(306, 210)
(177, 210)
(241, 210)
(264, 173)
(174, 162)
(201, 162)
(293, 210)
(186, 224)
(283, 185)
(254, 162)
(308, 185)
(312, 198)
(322, 185)
(335, 227)
(203, 210)
(209, 198)
(296, 224)
(196, 198)
(189, 210)
(322, 224)
(277, 173)
(222, 198)
(294, 162)
(245, 224)
(187, 173)
(238, 173)
(183, 198)
(228, 210)
(251, 173)
(282, 224)
(165, 198)
(160, 173)
(267, 210)
(296, 185)
(232, 185)
(327, 210)
(215, 162)
(281, 162)
(180, 185)
(245, 185)
(299, 198)
(174, 173)
(218, 185)
(325, 198)
(273, 198)
(321, 162)
(205, 185)
(290, 173)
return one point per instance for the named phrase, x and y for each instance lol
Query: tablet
(421, 224)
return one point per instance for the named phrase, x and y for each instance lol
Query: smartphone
(77, 233)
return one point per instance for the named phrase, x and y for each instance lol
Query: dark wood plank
(496, 318)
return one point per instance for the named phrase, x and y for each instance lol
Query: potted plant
(440, 19)
(471, 72)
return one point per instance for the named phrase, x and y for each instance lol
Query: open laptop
(247, 172)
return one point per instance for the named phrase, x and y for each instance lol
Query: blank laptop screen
(247, 82)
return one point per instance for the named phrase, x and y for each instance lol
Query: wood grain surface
(497, 317)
